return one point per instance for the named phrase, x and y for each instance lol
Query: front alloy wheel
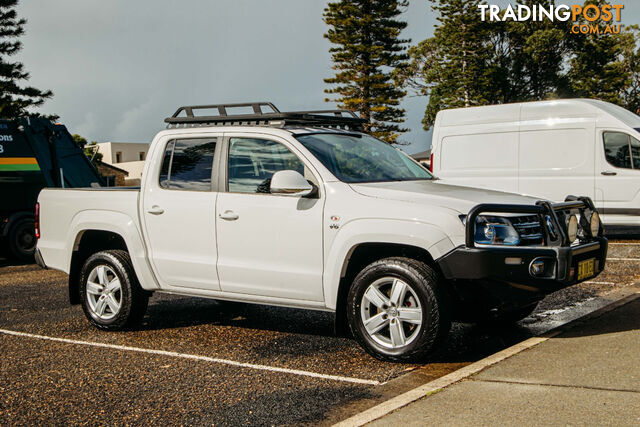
(398, 309)
(391, 312)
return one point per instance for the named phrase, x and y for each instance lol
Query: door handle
(229, 215)
(609, 173)
(156, 210)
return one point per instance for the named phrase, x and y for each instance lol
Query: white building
(129, 156)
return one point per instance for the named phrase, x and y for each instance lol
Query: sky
(118, 68)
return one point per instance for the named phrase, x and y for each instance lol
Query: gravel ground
(43, 382)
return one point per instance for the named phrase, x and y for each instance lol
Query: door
(268, 245)
(618, 177)
(178, 211)
(554, 163)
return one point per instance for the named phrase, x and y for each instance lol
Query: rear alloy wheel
(397, 309)
(111, 296)
(103, 292)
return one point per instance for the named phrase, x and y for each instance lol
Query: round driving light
(595, 224)
(537, 267)
(572, 228)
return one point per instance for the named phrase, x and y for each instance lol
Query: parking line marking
(624, 244)
(194, 357)
(623, 259)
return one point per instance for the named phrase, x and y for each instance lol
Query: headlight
(495, 230)
(595, 224)
(572, 228)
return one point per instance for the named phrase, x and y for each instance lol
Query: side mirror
(290, 183)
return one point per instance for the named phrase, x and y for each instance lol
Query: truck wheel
(398, 310)
(111, 296)
(22, 239)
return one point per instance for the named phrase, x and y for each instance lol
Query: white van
(546, 149)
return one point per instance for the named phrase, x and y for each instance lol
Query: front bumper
(511, 266)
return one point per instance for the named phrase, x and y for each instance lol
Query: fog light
(537, 267)
(595, 224)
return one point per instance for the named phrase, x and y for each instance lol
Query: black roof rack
(218, 115)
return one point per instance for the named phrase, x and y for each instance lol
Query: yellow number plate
(586, 268)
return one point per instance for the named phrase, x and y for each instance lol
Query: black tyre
(111, 296)
(398, 309)
(22, 239)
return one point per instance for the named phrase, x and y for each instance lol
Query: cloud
(118, 68)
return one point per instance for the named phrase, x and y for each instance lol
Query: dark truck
(35, 153)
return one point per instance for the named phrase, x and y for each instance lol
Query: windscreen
(355, 158)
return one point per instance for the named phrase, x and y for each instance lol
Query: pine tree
(15, 99)
(597, 68)
(630, 95)
(366, 48)
(534, 65)
(470, 62)
(454, 67)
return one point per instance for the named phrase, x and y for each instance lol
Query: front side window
(187, 164)
(252, 163)
(617, 149)
(635, 152)
(362, 158)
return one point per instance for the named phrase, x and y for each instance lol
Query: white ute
(305, 210)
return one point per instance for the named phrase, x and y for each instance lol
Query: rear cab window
(187, 164)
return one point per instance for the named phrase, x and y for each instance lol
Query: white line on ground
(623, 259)
(194, 357)
(600, 283)
(624, 244)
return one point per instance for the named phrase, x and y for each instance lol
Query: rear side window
(188, 164)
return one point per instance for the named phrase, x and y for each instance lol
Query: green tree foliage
(15, 98)
(90, 148)
(630, 93)
(604, 64)
(366, 48)
(530, 57)
(518, 61)
(451, 68)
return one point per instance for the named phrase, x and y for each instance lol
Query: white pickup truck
(305, 210)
